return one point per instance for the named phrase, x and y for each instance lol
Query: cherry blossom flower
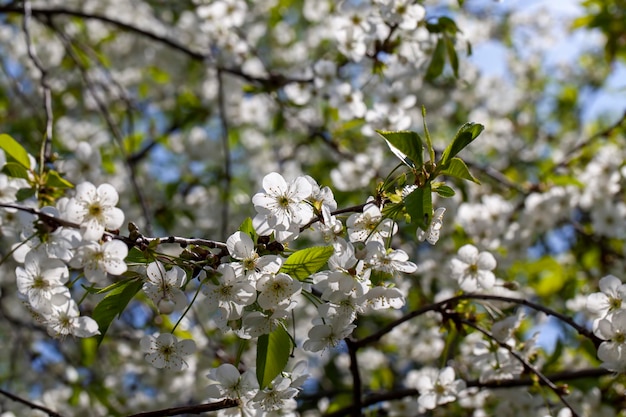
(390, 261)
(231, 294)
(370, 225)
(612, 352)
(328, 334)
(277, 291)
(228, 382)
(241, 247)
(99, 259)
(41, 278)
(431, 235)
(65, 319)
(277, 396)
(163, 287)
(94, 209)
(284, 203)
(473, 270)
(612, 296)
(165, 351)
(437, 387)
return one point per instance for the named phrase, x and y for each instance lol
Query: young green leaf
(55, 180)
(405, 145)
(14, 150)
(247, 228)
(457, 168)
(301, 264)
(443, 190)
(452, 56)
(272, 354)
(437, 62)
(466, 134)
(15, 170)
(419, 205)
(114, 303)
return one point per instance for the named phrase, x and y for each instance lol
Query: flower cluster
(44, 277)
(610, 326)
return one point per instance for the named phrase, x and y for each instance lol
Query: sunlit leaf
(272, 354)
(301, 264)
(14, 150)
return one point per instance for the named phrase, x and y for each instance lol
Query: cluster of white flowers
(43, 279)
(610, 326)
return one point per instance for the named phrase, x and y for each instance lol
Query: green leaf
(419, 205)
(405, 145)
(55, 180)
(452, 56)
(301, 264)
(114, 303)
(15, 170)
(466, 134)
(247, 228)
(136, 256)
(25, 193)
(272, 354)
(14, 150)
(457, 168)
(443, 190)
(437, 62)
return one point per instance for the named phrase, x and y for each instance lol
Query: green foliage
(247, 228)
(15, 170)
(273, 352)
(14, 151)
(301, 264)
(466, 135)
(113, 304)
(457, 168)
(419, 205)
(407, 146)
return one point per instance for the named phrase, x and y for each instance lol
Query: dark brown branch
(115, 131)
(567, 159)
(437, 306)
(192, 409)
(138, 240)
(398, 394)
(271, 81)
(30, 404)
(221, 100)
(528, 367)
(46, 148)
(356, 379)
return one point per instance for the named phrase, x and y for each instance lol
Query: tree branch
(559, 391)
(356, 378)
(29, 404)
(398, 394)
(271, 81)
(192, 409)
(437, 306)
(46, 148)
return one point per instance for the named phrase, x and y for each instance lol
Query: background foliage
(185, 106)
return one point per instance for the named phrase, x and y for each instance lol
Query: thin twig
(398, 394)
(454, 300)
(115, 131)
(357, 385)
(271, 81)
(559, 391)
(30, 404)
(221, 100)
(569, 156)
(46, 148)
(138, 241)
(191, 409)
